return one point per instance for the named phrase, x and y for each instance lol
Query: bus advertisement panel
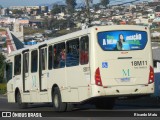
(122, 40)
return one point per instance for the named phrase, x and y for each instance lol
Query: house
(151, 16)
(157, 19)
(155, 34)
(157, 14)
(142, 21)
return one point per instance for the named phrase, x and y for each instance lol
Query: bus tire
(19, 101)
(58, 105)
(106, 103)
(69, 107)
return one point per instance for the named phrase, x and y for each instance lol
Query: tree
(16, 11)
(56, 9)
(104, 2)
(71, 5)
(4, 45)
(2, 58)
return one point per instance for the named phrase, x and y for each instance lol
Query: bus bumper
(116, 91)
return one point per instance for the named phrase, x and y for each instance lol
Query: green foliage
(156, 29)
(17, 11)
(2, 58)
(2, 30)
(5, 45)
(28, 31)
(56, 9)
(51, 24)
(3, 88)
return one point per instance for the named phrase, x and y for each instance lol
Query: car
(38, 35)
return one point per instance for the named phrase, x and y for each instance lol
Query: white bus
(98, 64)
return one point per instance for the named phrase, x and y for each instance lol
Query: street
(140, 104)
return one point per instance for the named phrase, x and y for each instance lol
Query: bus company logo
(19, 114)
(126, 73)
(6, 114)
(104, 64)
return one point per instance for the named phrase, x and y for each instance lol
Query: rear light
(151, 75)
(98, 80)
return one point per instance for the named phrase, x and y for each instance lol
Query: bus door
(43, 68)
(25, 71)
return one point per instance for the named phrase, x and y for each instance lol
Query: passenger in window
(63, 58)
(63, 54)
(84, 55)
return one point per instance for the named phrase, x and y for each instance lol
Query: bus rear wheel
(58, 105)
(105, 103)
(19, 101)
(69, 107)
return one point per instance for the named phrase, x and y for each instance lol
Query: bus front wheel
(19, 101)
(58, 105)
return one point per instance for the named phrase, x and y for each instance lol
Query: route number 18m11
(139, 63)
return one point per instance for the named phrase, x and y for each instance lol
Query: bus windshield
(122, 40)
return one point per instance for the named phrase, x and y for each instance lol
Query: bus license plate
(125, 79)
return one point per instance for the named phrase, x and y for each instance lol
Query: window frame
(75, 39)
(26, 55)
(43, 53)
(32, 61)
(17, 63)
(11, 72)
(50, 62)
(81, 49)
(58, 56)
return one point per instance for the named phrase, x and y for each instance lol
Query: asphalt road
(140, 104)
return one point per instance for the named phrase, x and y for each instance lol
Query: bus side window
(9, 71)
(59, 55)
(34, 61)
(84, 50)
(17, 65)
(50, 57)
(72, 58)
(26, 62)
(44, 58)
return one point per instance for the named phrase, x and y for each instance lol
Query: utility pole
(88, 11)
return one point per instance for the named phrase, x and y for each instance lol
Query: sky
(7, 3)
